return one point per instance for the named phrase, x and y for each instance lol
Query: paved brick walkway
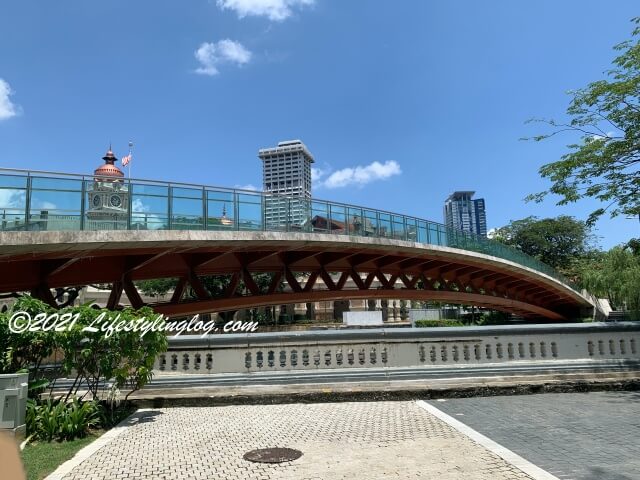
(367, 440)
(582, 436)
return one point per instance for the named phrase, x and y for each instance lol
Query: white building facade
(286, 173)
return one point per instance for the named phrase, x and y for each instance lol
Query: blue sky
(425, 97)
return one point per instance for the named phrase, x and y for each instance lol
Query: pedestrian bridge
(60, 230)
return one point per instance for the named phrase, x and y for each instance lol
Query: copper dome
(109, 169)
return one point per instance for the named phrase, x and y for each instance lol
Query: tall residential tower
(286, 171)
(461, 212)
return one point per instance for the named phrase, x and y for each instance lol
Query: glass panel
(187, 222)
(105, 224)
(56, 183)
(434, 234)
(161, 190)
(248, 198)
(276, 212)
(220, 215)
(12, 198)
(12, 203)
(398, 227)
(144, 203)
(186, 214)
(320, 216)
(299, 214)
(55, 200)
(186, 206)
(16, 181)
(149, 221)
(411, 229)
(370, 227)
(56, 221)
(186, 192)
(355, 221)
(220, 195)
(442, 235)
(338, 219)
(423, 233)
(385, 225)
(249, 216)
(12, 220)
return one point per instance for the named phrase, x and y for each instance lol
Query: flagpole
(130, 158)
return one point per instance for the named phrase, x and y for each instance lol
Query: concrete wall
(410, 347)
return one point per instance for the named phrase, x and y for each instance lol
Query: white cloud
(7, 108)
(360, 176)
(140, 216)
(10, 198)
(317, 174)
(210, 55)
(248, 186)
(276, 10)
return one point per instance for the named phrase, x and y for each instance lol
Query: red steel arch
(334, 267)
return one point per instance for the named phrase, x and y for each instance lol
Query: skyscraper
(286, 170)
(461, 212)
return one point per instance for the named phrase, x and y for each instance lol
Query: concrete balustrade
(399, 348)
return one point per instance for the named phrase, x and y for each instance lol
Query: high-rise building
(462, 212)
(286, 171)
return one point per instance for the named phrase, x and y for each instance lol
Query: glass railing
(47, 201)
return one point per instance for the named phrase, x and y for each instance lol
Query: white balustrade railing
(397, 348)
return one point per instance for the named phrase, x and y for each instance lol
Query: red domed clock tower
(108, 195)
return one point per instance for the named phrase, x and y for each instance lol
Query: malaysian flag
(125, 160)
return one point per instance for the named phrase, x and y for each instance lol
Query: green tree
(127, 357)
(560, 242)
(634, 246)
(603, 162)
(156, 287)
(25, 349)
(615, 275)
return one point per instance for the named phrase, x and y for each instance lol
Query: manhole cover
(272, 455)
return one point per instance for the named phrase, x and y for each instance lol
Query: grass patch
(42, 458)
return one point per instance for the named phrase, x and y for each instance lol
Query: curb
(326, 393)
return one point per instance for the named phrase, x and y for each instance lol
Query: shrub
(438, 323)
(56, 420)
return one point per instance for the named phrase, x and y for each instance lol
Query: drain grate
(272, 455)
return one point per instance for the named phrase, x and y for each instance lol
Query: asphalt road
(583, 436)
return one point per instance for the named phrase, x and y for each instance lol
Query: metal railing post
(83, 202)
(236, 210)
(170, 207)
(27, 203)
(205, 210)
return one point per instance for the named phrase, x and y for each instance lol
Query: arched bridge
(52, 236)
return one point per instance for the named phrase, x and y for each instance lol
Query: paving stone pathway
(360, 440)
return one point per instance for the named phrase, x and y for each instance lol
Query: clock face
(115, 201)
(96, 201)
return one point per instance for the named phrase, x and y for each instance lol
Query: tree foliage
(559, 242)
(615, 275)
(603, 163)
(156, 287)
(124, 357)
